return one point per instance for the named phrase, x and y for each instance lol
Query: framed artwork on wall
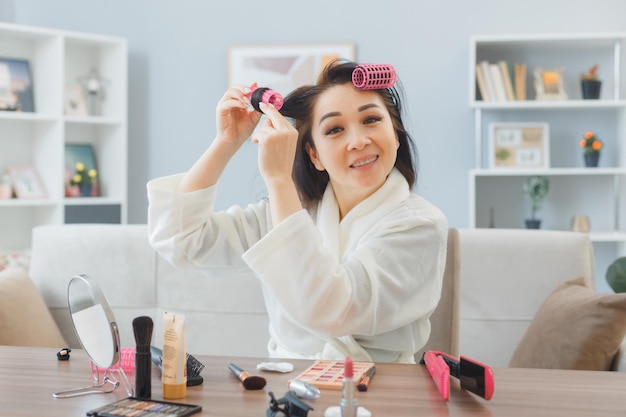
(26, 183)
(282, 67)
(519, 145)
(16, 86)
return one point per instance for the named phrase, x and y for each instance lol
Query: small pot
(591, 89)
(592, 159)
(533, 223)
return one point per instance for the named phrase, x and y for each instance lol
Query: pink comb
(373, 76)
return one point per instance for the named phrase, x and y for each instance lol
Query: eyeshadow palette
(326, 374)
(136, 407)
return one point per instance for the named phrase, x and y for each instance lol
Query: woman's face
(355, 142)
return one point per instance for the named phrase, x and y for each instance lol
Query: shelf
(496, 196)
(93, 120)
(547, 105)
(91, 201)
(58, 60)
(27, 116)
(608, 236)
(512, 172)
(17, 202)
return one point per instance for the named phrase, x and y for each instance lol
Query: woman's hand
(277, 140)
(236, 119)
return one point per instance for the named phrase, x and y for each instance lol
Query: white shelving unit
(496, 196)
(38, 138)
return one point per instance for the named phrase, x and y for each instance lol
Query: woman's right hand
(236, 119)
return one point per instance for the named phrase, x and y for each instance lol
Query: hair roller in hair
(267, 96)
(373, 76)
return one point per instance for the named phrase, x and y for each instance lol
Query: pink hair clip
(374, 76)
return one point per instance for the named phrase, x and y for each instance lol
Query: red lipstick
(348, 401)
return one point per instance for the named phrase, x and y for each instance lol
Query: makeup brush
(367, 378)
(249, 381)
(142, 327)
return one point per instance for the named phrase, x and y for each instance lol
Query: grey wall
(178, 55)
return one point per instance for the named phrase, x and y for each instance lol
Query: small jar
(6, 189)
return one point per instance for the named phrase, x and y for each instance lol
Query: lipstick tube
(348, 403)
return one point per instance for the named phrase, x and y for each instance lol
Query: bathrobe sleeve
(185, 229)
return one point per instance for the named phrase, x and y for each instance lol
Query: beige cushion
(24, 317)
(574, 328)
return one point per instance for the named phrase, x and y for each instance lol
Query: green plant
(592, 74)
(536, 189)
(591, 143)
(82, 176)
(616, 275)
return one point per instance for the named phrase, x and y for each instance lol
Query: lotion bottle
(174, 374)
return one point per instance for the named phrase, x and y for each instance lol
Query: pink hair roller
(267, 96)
(127, 360)
(374, 76)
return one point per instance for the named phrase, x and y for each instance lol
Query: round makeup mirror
(97, 332)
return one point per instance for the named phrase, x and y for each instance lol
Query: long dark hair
(299, 104)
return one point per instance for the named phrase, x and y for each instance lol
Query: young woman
(350, 260)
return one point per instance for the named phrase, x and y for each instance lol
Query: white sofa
(223, 308)
(505, 275)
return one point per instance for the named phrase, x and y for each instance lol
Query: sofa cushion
(574, 328)
(24, 316)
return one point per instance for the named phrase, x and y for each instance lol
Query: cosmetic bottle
(174, 374)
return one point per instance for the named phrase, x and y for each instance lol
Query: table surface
(29, 377)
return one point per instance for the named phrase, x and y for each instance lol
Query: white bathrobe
(364, 286)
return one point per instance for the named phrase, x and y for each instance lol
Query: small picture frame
(16, 86)
(84, 153)
(26, 183)
(519, 145)
(549, 84)
(75, 104)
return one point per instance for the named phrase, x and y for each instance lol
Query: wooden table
(29, 376)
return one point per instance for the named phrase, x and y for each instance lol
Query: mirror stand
(97, 332)
(104, 382)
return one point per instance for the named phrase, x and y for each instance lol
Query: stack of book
(497, 83)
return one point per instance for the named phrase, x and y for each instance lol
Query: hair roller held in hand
(373, 76)
(265, 95)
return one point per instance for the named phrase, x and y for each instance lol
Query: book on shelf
(520, 81)
(486, 71)
(482, 86)
(498, 82)
(506, 77)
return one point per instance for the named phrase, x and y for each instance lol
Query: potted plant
(590, 84)
(84, 179)
(616, 275)
(592, 146)
(536, 189)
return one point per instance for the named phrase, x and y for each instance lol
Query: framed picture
(81, 153)
(16, 87)
(519, 145)
(282, 67)
(26, 183)
(75, 104)
(549, 84)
